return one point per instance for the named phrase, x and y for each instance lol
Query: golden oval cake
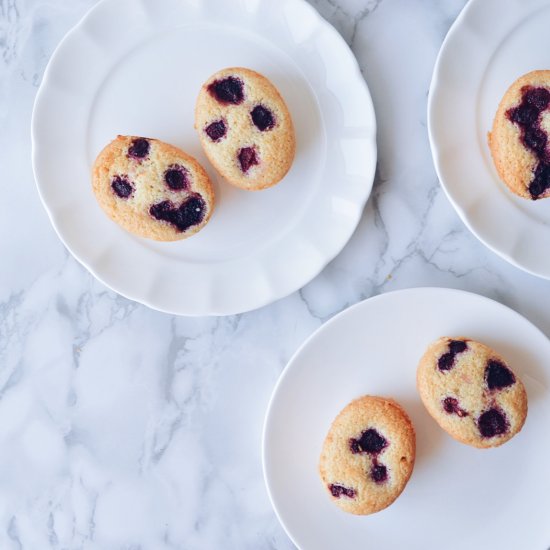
(152, 189)
(471, 392)
(245, 128)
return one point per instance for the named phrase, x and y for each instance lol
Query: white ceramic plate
(491, 44)
(135, 67)
(458, 497)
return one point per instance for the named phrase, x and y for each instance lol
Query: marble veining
(122, 427)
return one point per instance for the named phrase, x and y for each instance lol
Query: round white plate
(135, 67)
(491, 43)
(458, 497)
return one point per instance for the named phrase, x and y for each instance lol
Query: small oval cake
(471, 392)
(519, 138)
(152, 189)
(245, 128)
(368, 455)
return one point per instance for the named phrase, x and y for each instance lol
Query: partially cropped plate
(492, 43)
(458, 497)
(135, 67)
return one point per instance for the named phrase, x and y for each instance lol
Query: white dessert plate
(135, 67)
(458, 497)
(491, 43)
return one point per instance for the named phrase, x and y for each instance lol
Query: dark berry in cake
(498, 376)
(492, 423)
(457, 346)
(139, 148)
(189, 213)
(524, 114)
(379, 472)
(370, 442)
(247, 158)
(451, 406)
(216, 130)
(538, 97)
(541, 181)
(228, 90)
(177, 178)
(263, 118)
(535, 139)
(339, 490)
(122, 187)
(447, 360)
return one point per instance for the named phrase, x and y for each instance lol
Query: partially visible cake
(519, 139)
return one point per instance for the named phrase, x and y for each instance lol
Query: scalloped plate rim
(271, 295)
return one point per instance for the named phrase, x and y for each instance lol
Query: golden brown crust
(466, 382)
(514, 162)
(276, 147)
(147, 177)
(339, 465)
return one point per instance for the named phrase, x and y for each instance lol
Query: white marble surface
(121, 427)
